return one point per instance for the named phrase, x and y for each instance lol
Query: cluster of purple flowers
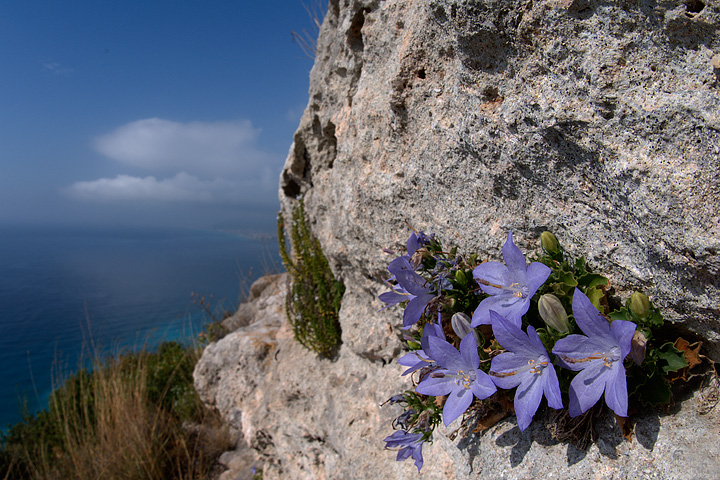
(597, 356)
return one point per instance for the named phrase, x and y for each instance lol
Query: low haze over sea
(62, 287)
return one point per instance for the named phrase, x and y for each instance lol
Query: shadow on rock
(520, 441)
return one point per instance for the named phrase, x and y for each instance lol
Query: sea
(67, 293)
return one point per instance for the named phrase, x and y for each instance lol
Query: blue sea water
(63, 289)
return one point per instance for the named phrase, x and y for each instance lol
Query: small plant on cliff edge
(490, 339)
(315, 295)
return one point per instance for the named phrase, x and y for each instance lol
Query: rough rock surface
(305, 417)
(599, 121)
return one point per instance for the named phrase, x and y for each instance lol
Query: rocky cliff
(599, 121)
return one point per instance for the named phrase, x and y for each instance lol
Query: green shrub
(314, 299)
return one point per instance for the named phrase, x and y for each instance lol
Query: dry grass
(117, 423)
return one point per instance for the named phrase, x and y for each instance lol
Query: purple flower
(416, 241)
(598, 355)
(458, 376)
(511, 287)
(525, 365)
(419, 359)
(404, 420)
(410, 445)
(410, 287)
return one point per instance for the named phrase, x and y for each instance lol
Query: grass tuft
(132, 416)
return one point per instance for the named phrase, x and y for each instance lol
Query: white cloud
(198, 162)
(180, 188)
(205, 149)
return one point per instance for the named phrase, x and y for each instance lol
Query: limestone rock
(599, 121)
(305, 417)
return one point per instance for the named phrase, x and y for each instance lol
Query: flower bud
(460, 277)
(553, 313)
(461, 324)
(549, 242)
(640, 305)
(637, 347)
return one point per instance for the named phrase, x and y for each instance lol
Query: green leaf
(580, 266)
(655, 391)
(595, 294)
(655, 319)
(673, 358)
(414, 345)
(568, 279)
(592, 280)
(622, 314)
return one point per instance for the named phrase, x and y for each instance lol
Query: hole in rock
(694, 6)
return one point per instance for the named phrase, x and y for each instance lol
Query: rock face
(303, 416)
(599, 121)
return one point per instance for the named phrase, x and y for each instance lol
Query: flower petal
(392, 297)
(468, 351)
(505, 370)
(414, 361)
(492, 272)
(537, 273)
(436, 386)
(499, 303)
(587, 316)
(415, 308)
(412, 282)
(623, 332)
(412, 244)
(403, 453)
(457, 402)
(400, 264)
(535, 342)
(445, 355)
(551, 388)
(587, 387)
(483, 386)
(510, 337)
(616, 394)
(513, 257)
(417, 456)
(580, 348)
(527, 399)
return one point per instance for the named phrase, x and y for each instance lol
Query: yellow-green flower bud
(640, 305)
(549, 242)
(553, 313)
(460, 277)
(461, 324)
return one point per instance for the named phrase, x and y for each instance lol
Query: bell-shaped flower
(419, 359)
(527, 366)
(598, 356)
(410, 444)
(457, 376)
(510, 286)
(410, 287)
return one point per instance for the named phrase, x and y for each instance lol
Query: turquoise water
(65, 288)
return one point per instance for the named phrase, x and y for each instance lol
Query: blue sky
(175, 113)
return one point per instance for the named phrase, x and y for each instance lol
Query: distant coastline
(125, 285)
